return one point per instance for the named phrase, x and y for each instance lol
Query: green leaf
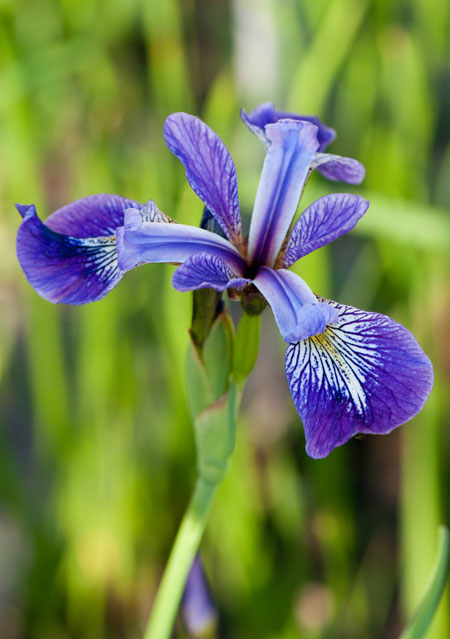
(340, 24)
(208, 368)
(217, 354)
(246, 347)
(408, 223)
(215, 430)
(421, 621)
(199, 392)
(415, 225)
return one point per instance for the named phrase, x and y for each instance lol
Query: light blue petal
(286, 165)
(140, 242)
(297, 312)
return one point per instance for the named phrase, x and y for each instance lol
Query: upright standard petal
(209, 168)
(324, 221)
(266, 113)
(286, 165)
(338, 168)
(67, 268)
(203, 270)
(145, 243)
(365, 374)
(297, 311)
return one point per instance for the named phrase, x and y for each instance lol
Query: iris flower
(349, 371)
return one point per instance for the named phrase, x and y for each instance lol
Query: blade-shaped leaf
(421, 621)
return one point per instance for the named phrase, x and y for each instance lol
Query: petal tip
(25, 209)
(176, 117)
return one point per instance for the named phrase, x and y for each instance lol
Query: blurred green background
(96, 450)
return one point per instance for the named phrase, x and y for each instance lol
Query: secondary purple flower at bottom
(197, 606)
(348, 370)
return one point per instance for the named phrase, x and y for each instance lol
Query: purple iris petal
(286, 165)
(66, 268)
(265, 113)
(338, 168)
(365, 374)
(197, 607)
(203, 270)
(209, 168)
(325, 220)
(141, 242)
(297, 312)
(93, 216)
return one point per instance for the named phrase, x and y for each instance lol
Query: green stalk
(212, 374)
(181, 557)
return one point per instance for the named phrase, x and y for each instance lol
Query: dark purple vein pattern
(324, 221)
(72, 257)
(203, 270)
(209, 168)
(365, 374)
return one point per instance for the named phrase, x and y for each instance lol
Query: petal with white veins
(365, 374)
(72, 257)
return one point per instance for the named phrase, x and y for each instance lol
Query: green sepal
(218, 353)
(246, 347)
(208, 369)
(212, 397)
(215, 429)
(253, 303)
(205, 307)
(199, 392)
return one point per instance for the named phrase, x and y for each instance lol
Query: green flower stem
(181, 557)
(213, 400)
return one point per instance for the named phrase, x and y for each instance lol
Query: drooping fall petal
(365, 374)
(71, 257)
